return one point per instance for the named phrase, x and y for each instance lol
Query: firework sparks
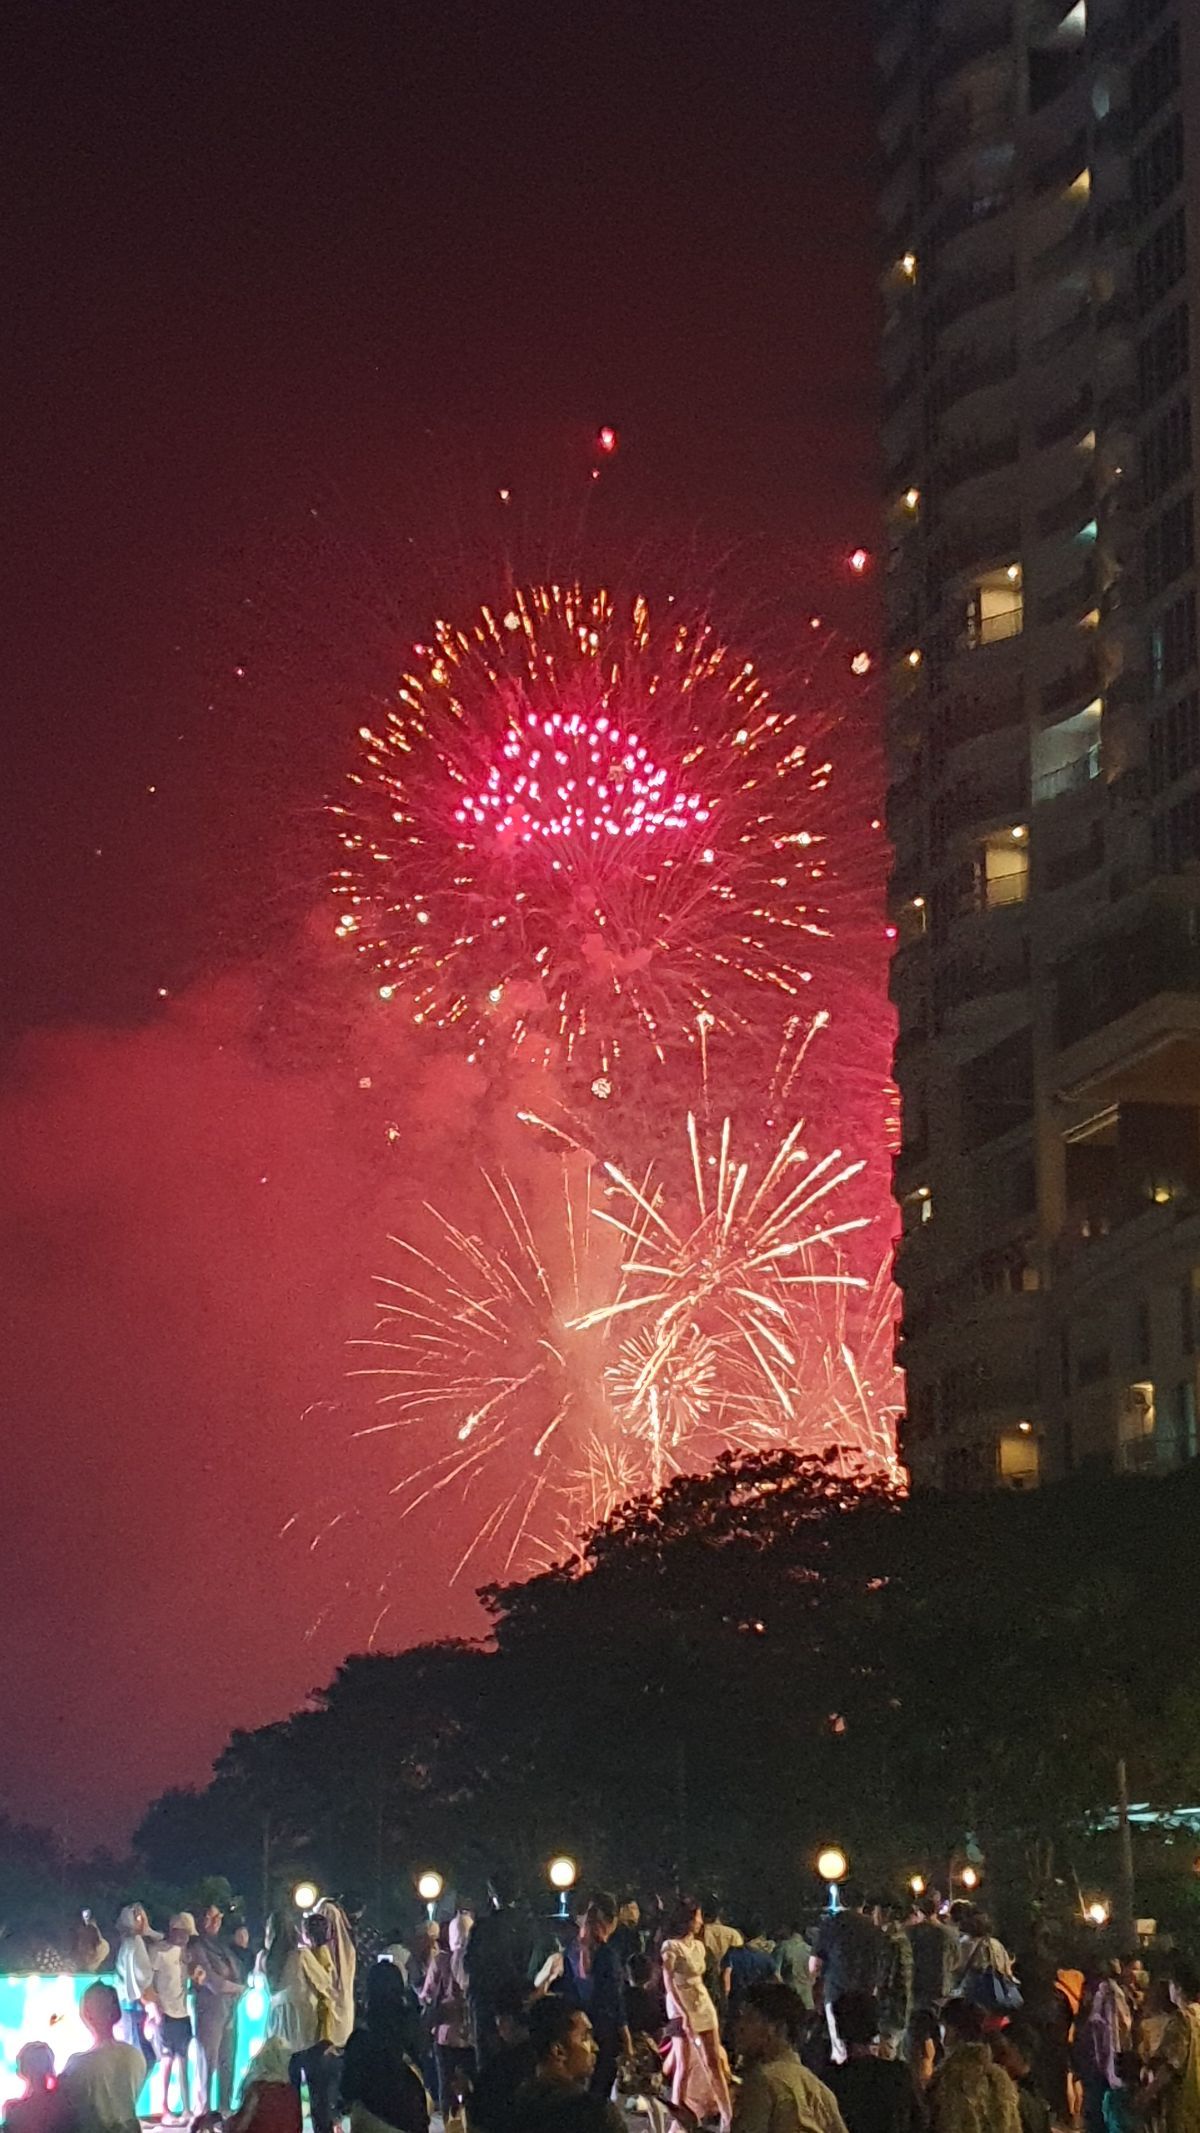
(586, 836)
(582, 1347)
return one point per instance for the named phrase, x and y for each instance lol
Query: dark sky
(290, 291)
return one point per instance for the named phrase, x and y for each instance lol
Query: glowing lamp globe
(305, 1895)
(429, 1886)
(1097, 1913)
(969, 1878)
(562, 1873)
(917, 1884)
(832, 1863)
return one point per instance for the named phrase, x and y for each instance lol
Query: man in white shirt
(135, 1976)
(101, 2086)
(174, 2026)
(778, 2094)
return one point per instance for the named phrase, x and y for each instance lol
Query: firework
(582, 1345)
(587, 836)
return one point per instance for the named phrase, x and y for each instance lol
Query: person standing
(592, 1979)
(969, 2093)
(793, 1954)
(171, 1976)
(135, 1977)
(217, 1984)
(745, 1964)
(499, 1956)
(848, 1957)
(895, 1990)
(778, 2094)
(380, 2082)
(1104, 2033)
(874, 2094)
(696, 2063)
(935, 1959)
(300, 1991)
(628, 1938)
(443, 1996)
(1175, 2086)
(100, 2087)
(560, 2098)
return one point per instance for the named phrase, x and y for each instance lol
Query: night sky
(290, 293)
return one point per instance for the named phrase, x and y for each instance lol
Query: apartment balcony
(1066, 421)
(967, 124)
(1070, 512)
(982, 542)
(1066, 254)
(1127, 1022)
(1072, 690)
(959, 295)
(967, 217)
(980, 39)
(1066, 163)
(1069, 601)
(972, 991)
(974, 374)
(1066, 338)
(1078, 775)
(977, 457)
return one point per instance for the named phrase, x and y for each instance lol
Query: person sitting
(875, 2095)
(560, 2098)
(40, 2109)
(269, 2102)
(778, 2093)
(380, 2082)
(100, 2087)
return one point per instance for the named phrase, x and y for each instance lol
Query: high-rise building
(1040, 204)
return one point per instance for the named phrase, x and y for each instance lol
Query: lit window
(912, 499)
(1004, 868)
(996, 606)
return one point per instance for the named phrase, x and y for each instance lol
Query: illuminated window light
(912, 498)
(908, 266)
(913, 658)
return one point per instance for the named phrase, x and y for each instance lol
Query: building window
(1166, 450)
(1003, 870)
(1170, 545)
(996, 606)
(1176, 836)
(1163, 356)
(1162, 261)
(1156, 76)
(1137, 1427)
(1187, 1315)
(1143, 1356)
(1158, 169)
(1173, 643)
(1175, 741)
(1183, 1422)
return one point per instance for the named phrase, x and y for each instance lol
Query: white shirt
(103, 2085)
(135, 1970)
(295, 2007)
(171, 1979)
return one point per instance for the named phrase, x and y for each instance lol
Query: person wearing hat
(173, 2021)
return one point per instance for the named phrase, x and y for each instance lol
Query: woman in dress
(696, 2064)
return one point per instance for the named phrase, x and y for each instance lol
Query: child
(1121, 2113)
(38, 2110)
(269, 2103)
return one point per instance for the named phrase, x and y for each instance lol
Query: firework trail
(587, 837)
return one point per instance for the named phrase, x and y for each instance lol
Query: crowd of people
(876, 2018)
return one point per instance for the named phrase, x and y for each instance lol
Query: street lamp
(305, 1895)
(562, 1873)
(917, 1884)
(833, 1867)
(429, 1888)
(969, 1878)
(1097, 1913)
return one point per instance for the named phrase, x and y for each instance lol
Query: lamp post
(429, 1888)
(562, 1873)
(833, 1867)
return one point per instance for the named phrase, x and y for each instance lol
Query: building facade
(1040, 208)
